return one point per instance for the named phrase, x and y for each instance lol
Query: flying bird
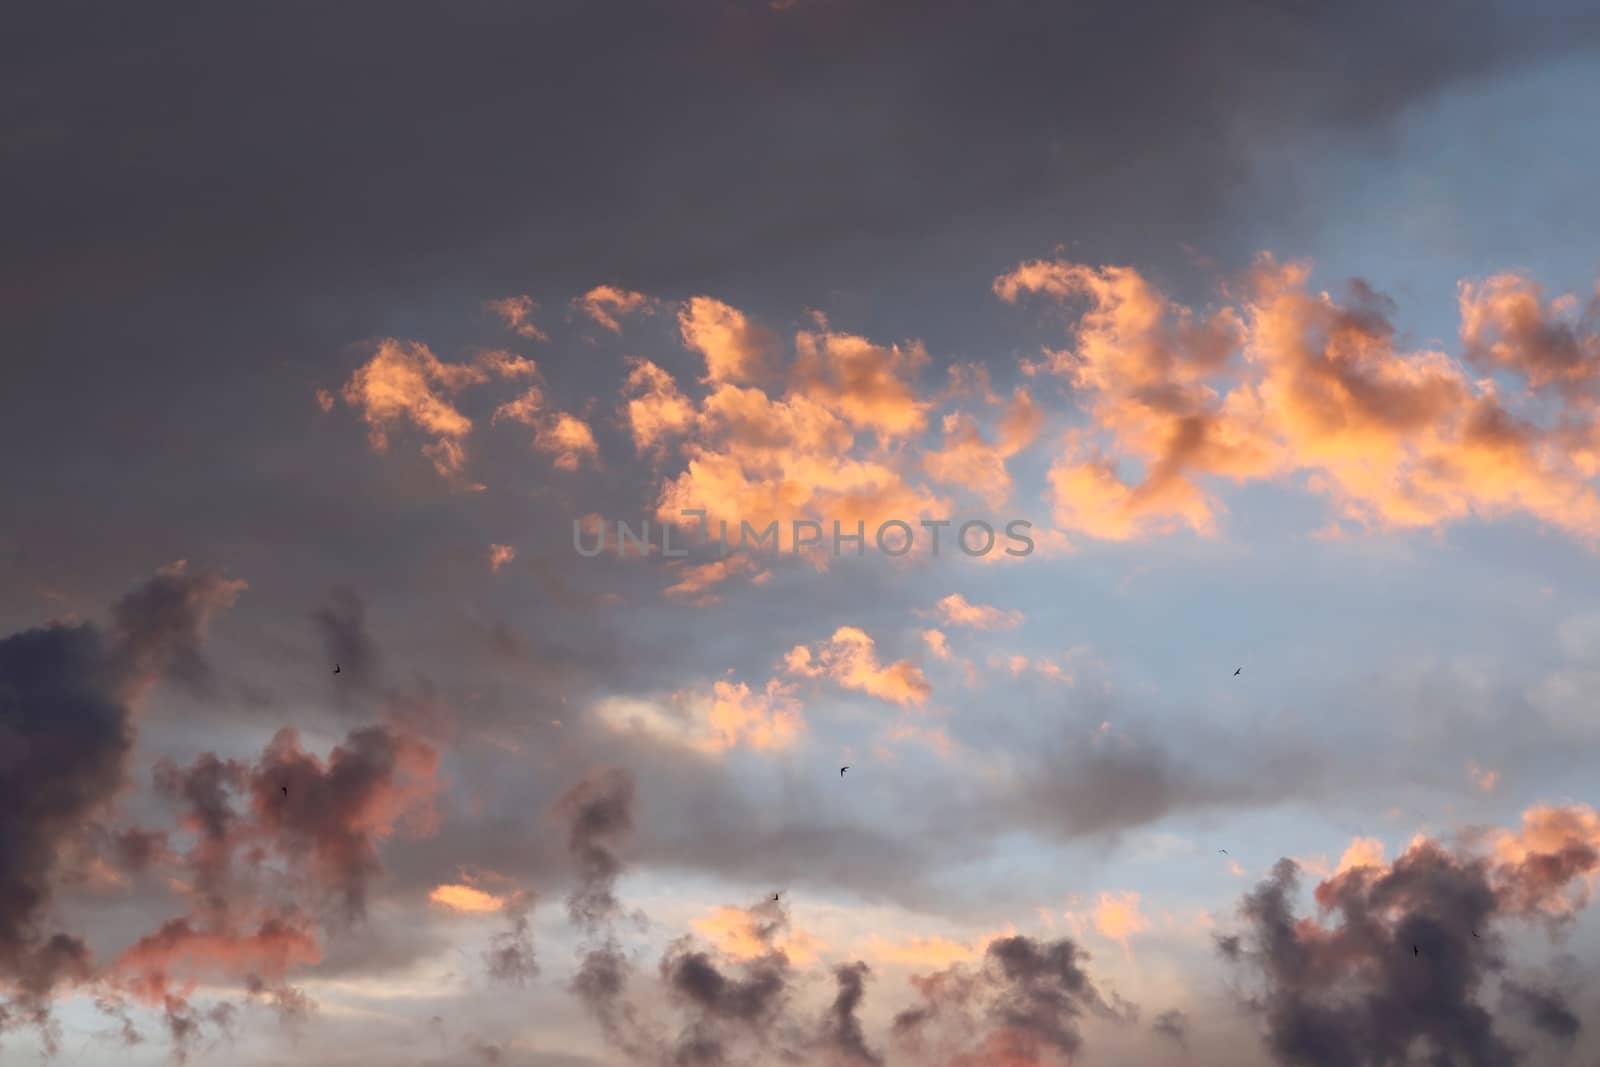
(1236, 671)
(1223, 851)
(1415, 951)
(335, 668)
(842, 770)
(285, 789)
(1474, 933)
(775, 896)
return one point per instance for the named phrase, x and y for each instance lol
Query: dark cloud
(599, 815)
(601, 986)
(842, 1041)
(721, 1009)
(347, 644)
(1410, 955)
(333, 813)
(1173, 1025)
(1547, 1010)
(1033, 994)
(510, 956)
(66, 715)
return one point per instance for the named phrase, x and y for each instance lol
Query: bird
(1223, 851)
(775, 897)
(1236, 671)
(285, 789)
(1474, 933)
(842, 770)
(1415, 951)
(335, 668)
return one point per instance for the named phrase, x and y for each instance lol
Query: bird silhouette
(335, 668)
(285, 789)
(1223, 851)
(775, 896)
(1474, 933)
(1236, 671)
(842, 770)
(1415, 951)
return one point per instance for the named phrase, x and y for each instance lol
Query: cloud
(1174, 1026)
(465, 898)
(1032, 995)
(1292, 383)
(696, 580)
(850, 659)
(868, 384)
(656, 409)
(516, 312)
(734, 348)
(604, 303)
(404, 382)
(1117, 917)
(346, 641)
(1412, 948)
(68, 698)
(955, 610)
(842, 1039)
(499, 556)
(969, 461)
(510, 956)
(748, 933)
(567, 438)
(598, 812)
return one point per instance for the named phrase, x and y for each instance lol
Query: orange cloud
(735, 349)
(1117, 917)
(850, 659)
(868, 384)
(604, 303)
(1293, 383)
(750, 933)
(971, 462)
(770, 719)
(1362, 852)
(178, 955)
(937, 644)
(656, 409)
(500, 555)
(567, 438)
(517, 314)
(696, 580)
(405, 381)
(955, 610)
(932, 953)
(465, 898)
(727, 716)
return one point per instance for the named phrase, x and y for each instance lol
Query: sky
(340, 725)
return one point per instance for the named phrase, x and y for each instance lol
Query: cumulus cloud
(604, 303)
(734, 348)
(970, 461)
(956, 610)
(404, 382)
(657, 411)
(850, 659)
(1295, 383)
(516, 312)
(567, 439)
